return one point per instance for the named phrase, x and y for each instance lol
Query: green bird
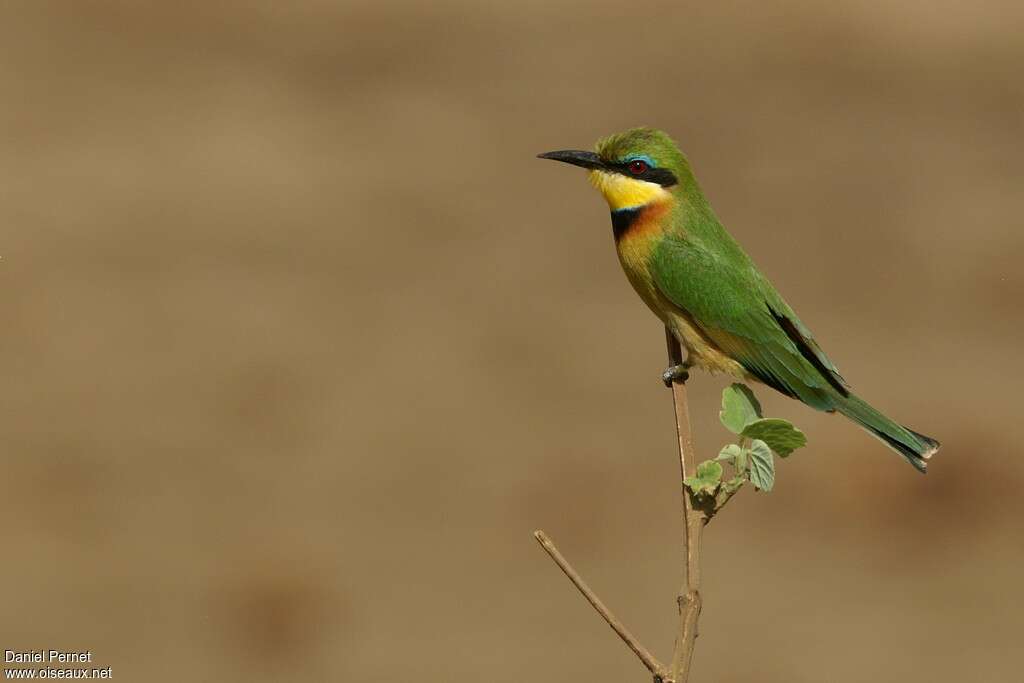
(707, 291)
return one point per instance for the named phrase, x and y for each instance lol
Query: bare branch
(688, 600)
(652, 664)
(697, 512)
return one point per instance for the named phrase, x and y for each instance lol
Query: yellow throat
(622, 192)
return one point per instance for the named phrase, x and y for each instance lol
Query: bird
(707, 291)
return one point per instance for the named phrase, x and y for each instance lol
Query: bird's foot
(675, 373)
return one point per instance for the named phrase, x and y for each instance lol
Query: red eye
(638, 166)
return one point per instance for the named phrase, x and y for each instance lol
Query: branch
(697, 512)
(652, 664)
(695, 517)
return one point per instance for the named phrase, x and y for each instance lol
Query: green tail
(915, 448)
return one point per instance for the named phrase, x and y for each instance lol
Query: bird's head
(632, 169)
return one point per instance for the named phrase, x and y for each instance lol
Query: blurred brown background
(300, 342)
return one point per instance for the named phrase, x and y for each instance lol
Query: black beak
(574, 157)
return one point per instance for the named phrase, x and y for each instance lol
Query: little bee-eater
(708, 292)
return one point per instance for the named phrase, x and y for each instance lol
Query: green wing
(741, 313)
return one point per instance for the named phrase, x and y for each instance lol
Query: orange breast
(635, 243)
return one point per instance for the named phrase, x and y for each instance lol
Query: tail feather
(914, 447)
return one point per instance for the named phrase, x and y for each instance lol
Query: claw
(675, 373)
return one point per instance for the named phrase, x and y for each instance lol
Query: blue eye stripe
(641, 157)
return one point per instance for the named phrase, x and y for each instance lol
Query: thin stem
(652, 664)
(697, 511)
(723, 497)
(688, 600)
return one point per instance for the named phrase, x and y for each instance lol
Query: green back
(702, 270)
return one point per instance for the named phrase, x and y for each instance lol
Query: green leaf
(709, 476)
(762, 465)
(730, 453)
(739, 407)
(780, 435)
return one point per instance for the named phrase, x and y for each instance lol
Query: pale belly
(701, 350)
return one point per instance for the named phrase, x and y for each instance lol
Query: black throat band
(622, 219)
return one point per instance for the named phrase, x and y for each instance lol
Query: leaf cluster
(751, 457)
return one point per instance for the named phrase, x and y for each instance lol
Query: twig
(721, 498)
(695, 518)
(697, 512)
(652, 664)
